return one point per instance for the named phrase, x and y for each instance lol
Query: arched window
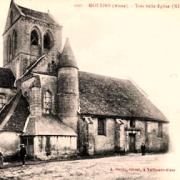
(11, 18)
(2, 100)
(9, 49)
(14, 42)
(48, 40)
(47, 102)
(34, 38)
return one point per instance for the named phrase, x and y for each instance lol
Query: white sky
(138, 44)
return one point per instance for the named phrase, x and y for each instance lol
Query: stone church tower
(27, 37)
(56, 110)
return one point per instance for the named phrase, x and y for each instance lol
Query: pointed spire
(67, 58)
(12, 2)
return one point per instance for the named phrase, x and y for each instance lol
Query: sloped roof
(37, 15)
(4, 111)
(67, 58)
(6, 78)
(101, 95)
(48, 125)
(18, 118)
(51, 125)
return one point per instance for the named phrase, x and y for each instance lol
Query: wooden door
(48, 146)
(132, 143)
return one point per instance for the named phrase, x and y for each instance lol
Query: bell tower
(28, 35)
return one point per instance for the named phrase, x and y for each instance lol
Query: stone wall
(94, 143)
(9, 28)
(50, 83)
(68, 96)
(46, 83)
(82, 141)
(118, 134)
(140, 134)
(106, 142)
(56, 146)
(9, 143)
(157, 143)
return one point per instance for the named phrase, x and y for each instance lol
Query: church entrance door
(132, 143)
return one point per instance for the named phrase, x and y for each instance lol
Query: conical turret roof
(67, 58)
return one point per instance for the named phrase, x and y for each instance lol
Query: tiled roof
(37, 15)
(48, 125)
(101, 95)
(4, 111)
(17, 119)
(6, 78)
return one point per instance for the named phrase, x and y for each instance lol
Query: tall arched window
(9, 49)
(34, 38)
(47, 102)
(35, 42)
(14, 42)
(11, 18)
(48, 40)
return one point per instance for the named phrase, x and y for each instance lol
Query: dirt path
(119, 167)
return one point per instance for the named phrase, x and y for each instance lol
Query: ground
(132, 166)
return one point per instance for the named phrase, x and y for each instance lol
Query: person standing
(1, 160)
(22, 153)
(143, 149)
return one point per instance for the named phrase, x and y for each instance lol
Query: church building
(55, 109)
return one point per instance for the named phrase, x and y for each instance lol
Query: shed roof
(101, 95)
(51, 125)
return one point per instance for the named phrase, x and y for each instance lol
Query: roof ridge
(32, 9)
(106, 76)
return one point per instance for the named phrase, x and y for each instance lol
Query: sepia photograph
(89, 89)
